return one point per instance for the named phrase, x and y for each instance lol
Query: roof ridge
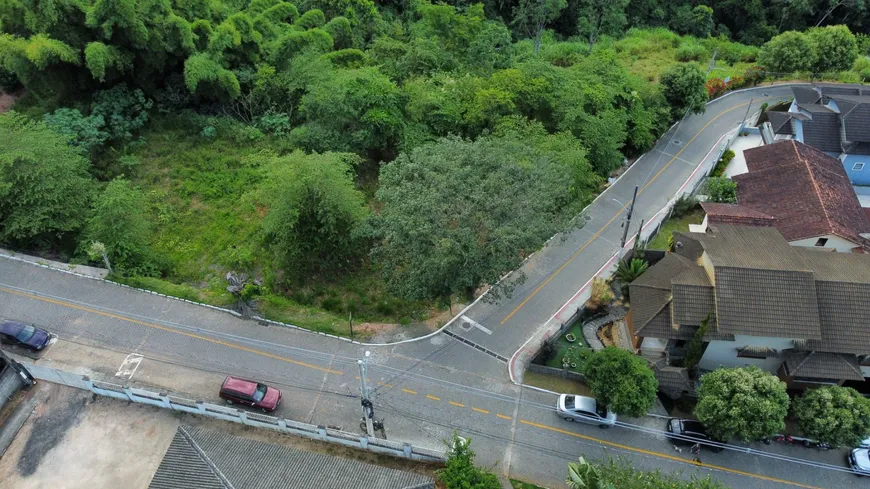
(843, 359)
(660, 309)
(806, 358)
(817, 189)
(205, 458)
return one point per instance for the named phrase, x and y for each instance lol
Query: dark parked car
(689, 432)
(24, 334)
(249, 393)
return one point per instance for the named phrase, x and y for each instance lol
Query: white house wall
(835, 242)
(724, 353)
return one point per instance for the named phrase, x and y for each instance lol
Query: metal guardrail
(163, 400)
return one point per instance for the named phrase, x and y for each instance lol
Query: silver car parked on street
(585, 410)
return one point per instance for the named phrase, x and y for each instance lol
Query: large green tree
(787, 53)
(745, 403)
(314, 210)
(119, 221)
(45, 188)
(836, 415)
(600, 17)
(621, 381)
(835, 48)
(683, 87)
(457, 215)
(531, 16)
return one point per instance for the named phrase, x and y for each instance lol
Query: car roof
(692, 425)
(12, 324)
(585, 403)
(242, 386)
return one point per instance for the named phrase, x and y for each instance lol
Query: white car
(585, 410)
(859, 460)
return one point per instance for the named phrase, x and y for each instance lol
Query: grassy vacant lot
(660, 241)
(206, 224)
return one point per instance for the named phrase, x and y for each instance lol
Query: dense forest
(373, 158)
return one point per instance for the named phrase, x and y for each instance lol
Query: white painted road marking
(129, 366)
(476, 324)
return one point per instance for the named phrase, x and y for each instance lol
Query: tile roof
(823, 130)
(736, 214)
(807, 191)
(823, 366)
(242, 463)
(775, 303)
(691, 304)
(673, 381)
(780, 122)
(806, 95)
(856, 120)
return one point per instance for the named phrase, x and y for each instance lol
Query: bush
(124, 111)
(715, 87)
(86, 133)
(722, 164)
(8, 81)
(684, 205)
(274, 123)
(722, 190)
(690, 52)
(600, 296)
(862, 68)
(754, 75)
(459, 471)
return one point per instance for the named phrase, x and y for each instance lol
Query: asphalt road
(425, 389)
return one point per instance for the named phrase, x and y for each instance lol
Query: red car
(249, 393)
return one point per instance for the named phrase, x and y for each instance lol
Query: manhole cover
(466, 325)
(677, 142)
(765, 95)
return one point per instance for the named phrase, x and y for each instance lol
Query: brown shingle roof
(823, 366)
(807, 191)
(736, 214)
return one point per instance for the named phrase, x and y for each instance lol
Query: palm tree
(628, 272)
(583, 475)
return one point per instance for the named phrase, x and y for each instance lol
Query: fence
(167, 401)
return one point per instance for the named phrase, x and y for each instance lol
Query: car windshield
(260, 393)
(25, 334)
(601, 411)
(569, 402)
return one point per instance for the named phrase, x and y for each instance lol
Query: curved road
(424, 389)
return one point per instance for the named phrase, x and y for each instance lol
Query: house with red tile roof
(802, 192)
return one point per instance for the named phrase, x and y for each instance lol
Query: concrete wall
(858, 177)
(724, 353)
(837, 243)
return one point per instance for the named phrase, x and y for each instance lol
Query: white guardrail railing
(168, 401)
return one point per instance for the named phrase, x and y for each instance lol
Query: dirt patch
(6, 101)
(389, 333)
(50, 425)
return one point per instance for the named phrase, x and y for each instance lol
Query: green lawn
(575, 352)
(660, 241)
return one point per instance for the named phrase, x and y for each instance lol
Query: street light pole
(366, 402)
(627, 222)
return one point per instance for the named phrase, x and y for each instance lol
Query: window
(822, 242)
(756, 352)
(858, 166)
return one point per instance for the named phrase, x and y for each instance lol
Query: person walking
(696, 453)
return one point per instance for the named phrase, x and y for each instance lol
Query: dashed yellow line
(457, 404)
(667, 457)
(385, 385)
(170, 330)
(433, 397)
(484, 411)
(502, 416)
(408, 391)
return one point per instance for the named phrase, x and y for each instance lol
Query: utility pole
(743, 124)
(712, 61)
(368, 412)
(627, 222)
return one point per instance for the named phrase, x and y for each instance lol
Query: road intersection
(423, 389)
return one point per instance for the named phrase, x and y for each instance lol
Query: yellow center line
(598, 233)
(433, 397)
(502, 416)
(667, 457)
(170, 330)
(484, 411)
(457, 404)
(408, 391)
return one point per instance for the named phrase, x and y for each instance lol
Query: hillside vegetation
(376, 159)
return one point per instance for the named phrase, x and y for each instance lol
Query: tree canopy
(745, 403)
(836, 415)
(683, 87)
(45, 188)
(621, 381)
